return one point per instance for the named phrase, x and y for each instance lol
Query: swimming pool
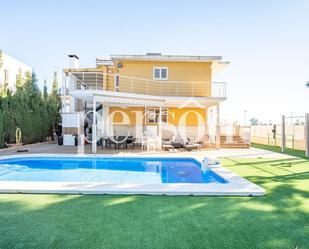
(108, 170)
(113, 174)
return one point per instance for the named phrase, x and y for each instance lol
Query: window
(153, 115)
(160, 73)
(156, 73)
(164, 73)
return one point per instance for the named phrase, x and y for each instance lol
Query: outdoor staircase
(237, 142)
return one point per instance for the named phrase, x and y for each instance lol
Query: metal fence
(292, 133)
(122, 83)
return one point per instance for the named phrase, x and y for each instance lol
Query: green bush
(36, 115)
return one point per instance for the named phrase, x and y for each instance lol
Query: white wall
(72, 120)
(13, 67)
(295, 135)
(264, 130)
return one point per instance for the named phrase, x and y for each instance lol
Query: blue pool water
(106, 169)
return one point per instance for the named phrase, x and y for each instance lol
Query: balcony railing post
(218, 89)
(176, 90)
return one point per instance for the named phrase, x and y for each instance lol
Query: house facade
(10, 69)
(166, 96)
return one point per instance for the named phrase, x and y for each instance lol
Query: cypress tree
(8, 117)
(45, 93)
(19, 80)
(34, 112)
(54, 104)
(55, 88)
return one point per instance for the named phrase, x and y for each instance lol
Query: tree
(1, 62)
(0, 68)
(19, 79)
(254, 121)
(4, 88)
(7, 118)
(28, 110)
(54, 104)
(45, 93)
(1, 129)
(55, 88)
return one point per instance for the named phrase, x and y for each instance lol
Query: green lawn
(278, 220)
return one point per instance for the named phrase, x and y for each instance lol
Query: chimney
(74, 61)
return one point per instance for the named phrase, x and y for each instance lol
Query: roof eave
(180, 58)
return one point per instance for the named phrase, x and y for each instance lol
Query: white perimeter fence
(292, 132)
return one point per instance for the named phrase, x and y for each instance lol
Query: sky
(266, 41)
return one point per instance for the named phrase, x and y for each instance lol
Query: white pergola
(108, 98)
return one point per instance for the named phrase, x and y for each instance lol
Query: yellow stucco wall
(188, 115)
(177, 71)
(184, 78)
(174, 115)
(119, 113)
(181, 72)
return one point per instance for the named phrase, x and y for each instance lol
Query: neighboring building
(169, 91)
(9, 71)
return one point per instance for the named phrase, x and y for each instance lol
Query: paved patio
(56, 149)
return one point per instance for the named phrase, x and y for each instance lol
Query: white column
(64, 93)
(81, 135)
(211, 124)
(106, 121)
(218, 128)
(94, 128)
(206, 123)
(72, 86)
(160, 129)
(307, 134)
(283, 144)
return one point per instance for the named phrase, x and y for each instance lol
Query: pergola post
(94, 128)
(218, 128)
(81, 135)
(283, 137)
(307, 134)
(106, 121)
(160, 129)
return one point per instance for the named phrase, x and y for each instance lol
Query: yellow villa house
(170, 97)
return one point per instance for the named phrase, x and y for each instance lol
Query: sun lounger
(189, 146)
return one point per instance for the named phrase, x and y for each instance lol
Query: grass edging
(288, 151)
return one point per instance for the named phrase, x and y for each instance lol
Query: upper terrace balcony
(126, 84)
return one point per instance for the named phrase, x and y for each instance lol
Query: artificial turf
(278, 220)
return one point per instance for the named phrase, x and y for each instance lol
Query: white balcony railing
(121, 83)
